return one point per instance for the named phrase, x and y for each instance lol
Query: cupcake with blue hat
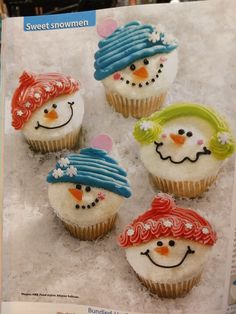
(87, 189)
(137, 63)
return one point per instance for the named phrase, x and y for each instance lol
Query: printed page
(45, 264)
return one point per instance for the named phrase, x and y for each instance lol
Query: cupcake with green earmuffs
(183, 147)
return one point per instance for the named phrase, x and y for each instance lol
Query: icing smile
(189, 251)
(58, 126)
(198, 154)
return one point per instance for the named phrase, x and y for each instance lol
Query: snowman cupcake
(87, 189)
(167, 247)
(183, 147)
(137, 64)
(49, 110)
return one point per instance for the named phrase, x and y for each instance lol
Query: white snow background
(39, 254)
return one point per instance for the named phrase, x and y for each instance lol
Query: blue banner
(59, 21)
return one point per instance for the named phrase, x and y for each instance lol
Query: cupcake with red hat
(87, 189)
(167, 247)
(49, 110)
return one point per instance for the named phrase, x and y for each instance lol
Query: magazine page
(104, 212)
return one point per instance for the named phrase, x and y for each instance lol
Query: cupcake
(167, 247)
(183, 147)
(49, 110)
(137, 63)
(87, 189)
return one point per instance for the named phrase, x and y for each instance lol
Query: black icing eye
(159, 243)
(132, 67)
(78, 186)
(88, 189)
(171, 243)
(77, 206)
(54, 106)
(145, 61)
(45, 111)
(189, 134)
(181, 131)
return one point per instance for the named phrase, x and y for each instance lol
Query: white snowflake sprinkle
(205, 230)
(130, 232)
(63, 162)
(167, 223)
(59, 84)
(57, 173)
(19, 113)
(27, 104)
(37, 95)
(223, 138)
(188, 225)
(146, 125)
(47, 88)
(147, 227)
(154, 37)
(71, 171)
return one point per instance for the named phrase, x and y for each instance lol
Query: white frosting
(63, 111)
(206, 165)
(191, 266)
(233, 291)
(160, 85)
(63, 203)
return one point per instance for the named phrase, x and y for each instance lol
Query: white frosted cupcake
(167, 247)
(87, 189)
(183, 147)
(48, 109)
(137, 64)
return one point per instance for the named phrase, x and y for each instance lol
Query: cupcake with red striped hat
(167, 247)
(49, 109)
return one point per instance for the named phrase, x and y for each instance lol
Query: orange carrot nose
(78, 194)
(177, 139)
(163, 250)
(51, 115)
(141, 72)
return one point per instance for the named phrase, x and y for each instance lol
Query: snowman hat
(94, 167)
(129, 43)
(222, 144)
(165, 219)
(35, 90)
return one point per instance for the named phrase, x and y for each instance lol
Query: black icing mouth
(147, 83)
(93, 204)
(189, 251)
(198, 154)
(58, 126)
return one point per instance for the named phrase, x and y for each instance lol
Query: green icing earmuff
(222, 144)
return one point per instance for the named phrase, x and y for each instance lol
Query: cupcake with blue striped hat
(87, 189)
(137, 63)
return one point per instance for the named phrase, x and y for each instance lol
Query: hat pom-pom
(163, 203)
(27, 77)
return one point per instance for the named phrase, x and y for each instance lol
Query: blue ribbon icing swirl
(94, 168)
(128, 44)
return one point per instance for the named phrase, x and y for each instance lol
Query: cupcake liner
(136, 108)
(91, 232)
(173, 290)
(69, 141)
(183, 188)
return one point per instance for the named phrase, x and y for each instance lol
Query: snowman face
(146, 76)
(56, 116)
(83, 203)
(161, 257)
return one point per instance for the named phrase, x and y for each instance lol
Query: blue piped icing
(128, 44)
(91, 167)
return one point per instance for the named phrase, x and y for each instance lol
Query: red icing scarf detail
(164, 219)
(35, 90)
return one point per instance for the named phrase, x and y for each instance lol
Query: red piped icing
(165, 219)
(35, 90)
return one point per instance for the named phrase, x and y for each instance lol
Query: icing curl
(148, 134)
(222, 150)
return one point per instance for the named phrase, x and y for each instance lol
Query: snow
(39, 254)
